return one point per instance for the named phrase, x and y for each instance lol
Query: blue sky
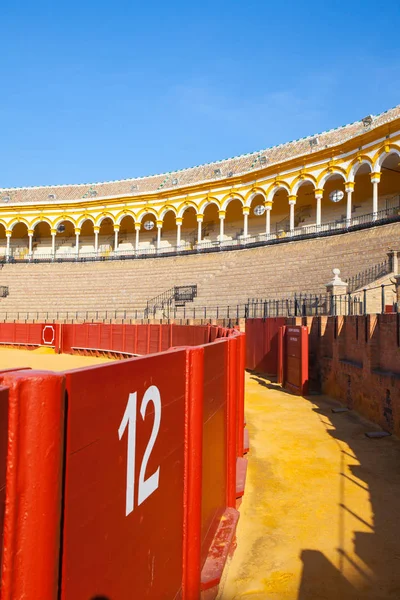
(95, 91)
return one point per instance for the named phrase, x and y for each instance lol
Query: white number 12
(149, 485)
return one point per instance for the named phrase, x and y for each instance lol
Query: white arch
(229, 200)
(183, 209)
(123, 216)
(301, 182)
(208, 203)
(357, 166)
(250, 199)
(102, 217)
(328, 176)
(64, 220)
(276, 189)
(82, 221)
(382, 158)
(148, 211)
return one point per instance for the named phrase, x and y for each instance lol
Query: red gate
(293, 359)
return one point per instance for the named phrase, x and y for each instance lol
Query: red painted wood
(31, 542)
(106, 552)
(219, 550)
(214, 456)
(191, 558)
(296, 359)
(241, 472)
(232, 421)
(3, 458)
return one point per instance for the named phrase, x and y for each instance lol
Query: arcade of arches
(365, 188)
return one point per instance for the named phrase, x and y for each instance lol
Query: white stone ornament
(149, 225)
(336, 196)
(259, 210)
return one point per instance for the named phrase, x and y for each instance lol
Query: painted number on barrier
(146, 486)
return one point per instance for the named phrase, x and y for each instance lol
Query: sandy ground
(45, 359)
(320, 514)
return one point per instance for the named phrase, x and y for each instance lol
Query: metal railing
(387, 215)
(378, 299)
(369, 275)
(175, 296)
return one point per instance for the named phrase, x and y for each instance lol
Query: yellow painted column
(318, 198)
(221, 214)
(375, 179)
(116, 230)
(349, 187)
(246, 212)
(268, 208)
(137, 229)
(292, 204)
(199, 222)
(179, 221)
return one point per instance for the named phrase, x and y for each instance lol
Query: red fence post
(193, 474)
(281, 355)
(232, 389)
(31, 542)
(304, 361)
(241, 359)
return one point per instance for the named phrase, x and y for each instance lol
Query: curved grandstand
(343, 181)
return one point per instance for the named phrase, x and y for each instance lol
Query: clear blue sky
(94, 91)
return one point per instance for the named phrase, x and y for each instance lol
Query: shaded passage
(319, 519)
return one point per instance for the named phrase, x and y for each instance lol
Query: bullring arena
(200, 378)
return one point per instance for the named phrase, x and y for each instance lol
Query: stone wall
(356, 359)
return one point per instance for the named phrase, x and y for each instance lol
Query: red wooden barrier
(31, 541)
(148, 472)
(294, 359)
(215, 442)
(262, 344)
(3, 458)
(123, 513)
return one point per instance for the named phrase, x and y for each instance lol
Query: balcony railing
(387, 215)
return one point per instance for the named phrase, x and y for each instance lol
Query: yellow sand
(45, 359)
(320, 518)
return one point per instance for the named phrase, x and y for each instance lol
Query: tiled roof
(202, 173)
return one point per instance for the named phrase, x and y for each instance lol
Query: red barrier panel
(262, 344)
(214, 468)
(149, 469)
(123, 514)
(33, 334)
(31, 541)
(3, 458)
(295, 372)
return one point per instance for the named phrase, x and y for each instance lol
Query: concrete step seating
(223, 278)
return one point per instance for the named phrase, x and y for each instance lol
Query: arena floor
(320, 514)
(45, 359)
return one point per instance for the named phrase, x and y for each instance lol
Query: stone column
(96, 239)
(159, 227)
(318, 197)
(199, 222)
(246, 212)
(397, 280)
(137, 229)
(268, 208)
(53, 242)
(292, 204)
(8, 236)
(375, 179)
(116, 230)
(30, 238)
(221, 214)
(77, 232)
(394, 259)
(349, 187)
(179, 221)
(337, 293)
